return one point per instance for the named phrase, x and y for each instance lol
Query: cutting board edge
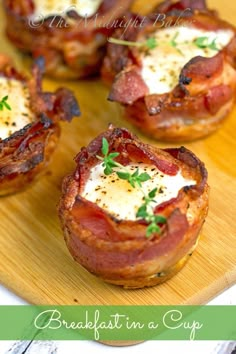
(216, 288)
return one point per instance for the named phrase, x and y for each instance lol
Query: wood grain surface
(34, 261)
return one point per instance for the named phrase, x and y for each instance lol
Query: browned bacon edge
(169, 6)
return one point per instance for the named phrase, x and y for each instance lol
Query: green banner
(118, 322)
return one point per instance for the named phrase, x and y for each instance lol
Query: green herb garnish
(146, 212)
(203, 42)
(124, 42)
(108, 159)
(109, 163)
(151, 43)
(4, 104)
(173, 42)
(136, 179)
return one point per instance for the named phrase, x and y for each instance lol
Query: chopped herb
(213, 45)
(151, 43)
(4, 104)
(203, 42)
(173, 42)
(135, 179)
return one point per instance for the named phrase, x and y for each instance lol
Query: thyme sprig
(109, 163)
(136, 179)
(4, 104)
(146, 212)
(174, 44)
(152, 43)
(124, 42)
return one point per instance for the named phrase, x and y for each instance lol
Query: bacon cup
(71, 35)
(176, 76)
(130, 233)
(29, 125)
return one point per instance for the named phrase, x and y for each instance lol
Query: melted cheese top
(18, 99)
(120, 199)
(84, 8)
(162, 65)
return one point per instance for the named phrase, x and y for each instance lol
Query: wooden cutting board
(34, 261)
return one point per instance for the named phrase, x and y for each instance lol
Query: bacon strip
(128, 87)
(28, 151)
(168, 6)
(118, 251)
(24, 150)
(21, 8)
(129, 148)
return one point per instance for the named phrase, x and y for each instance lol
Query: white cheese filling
(117, 196)
(18, 99)
(175, 47)
(84, 8)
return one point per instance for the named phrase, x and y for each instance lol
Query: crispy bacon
(118, 251)
(203, 71)
(168, 6)
(128, 87)
(21, 8)
(204, 96)
(118, 56)
(72, 48)
(28, 151)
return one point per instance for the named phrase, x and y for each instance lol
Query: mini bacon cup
(71, 40)
(177, 78)
(26, 148)
(118, 250)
